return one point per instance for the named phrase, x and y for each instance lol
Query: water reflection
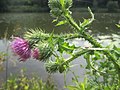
(18, 23)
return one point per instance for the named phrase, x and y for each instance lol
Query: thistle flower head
(35, 53)
(21, 47)
(43, 51)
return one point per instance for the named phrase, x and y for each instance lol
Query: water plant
(103, 62)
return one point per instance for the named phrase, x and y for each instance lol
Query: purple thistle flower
(21, 47)
(36, 53)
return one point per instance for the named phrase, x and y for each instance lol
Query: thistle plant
(21, 47)
(101, 61)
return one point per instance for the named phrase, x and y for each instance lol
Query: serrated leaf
(59, 7)
(60, 42)
(97, 55)
(61, 23)
(116, 53)
(65, 47)
(118, 25)
(55, 20)
(62, 3)
(82, 86)
(85, 22)
(72, 87)
(68, 3)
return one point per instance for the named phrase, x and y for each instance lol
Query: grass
(2, 59)
(22, 82)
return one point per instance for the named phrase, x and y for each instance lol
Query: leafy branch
(57, 45)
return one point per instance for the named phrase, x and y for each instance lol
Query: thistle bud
(43, 52)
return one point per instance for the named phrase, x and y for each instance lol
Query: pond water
(17, 23)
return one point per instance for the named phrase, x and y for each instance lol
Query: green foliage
(36, 35)
(102, 61)
(59, 6)
(22, 82)
(45, 51)
(89, 84)
(2, 56)
(61, 23)
(2, 59)
(78, 85)
(64, 46)
(57, 65)
(118, 25)
(87, 22)
(116, 53)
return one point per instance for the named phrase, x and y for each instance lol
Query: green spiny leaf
(85, 22)
(61, 22)
(58, 7)
(118, 25)
(68, 4)
(68, 48)
(62, 3)
(65, 47)
(36, 35)
(55, 20)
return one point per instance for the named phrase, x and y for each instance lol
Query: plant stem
(76, 55)
(94, 42)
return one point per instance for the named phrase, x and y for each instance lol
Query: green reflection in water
(18, 23)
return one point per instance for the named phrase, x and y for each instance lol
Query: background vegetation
(42, 5)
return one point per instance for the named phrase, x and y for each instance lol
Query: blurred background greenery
(42, 5)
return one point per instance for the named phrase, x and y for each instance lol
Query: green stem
(47, 36)
(76, 55)
(92, 41)
(91, 65)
